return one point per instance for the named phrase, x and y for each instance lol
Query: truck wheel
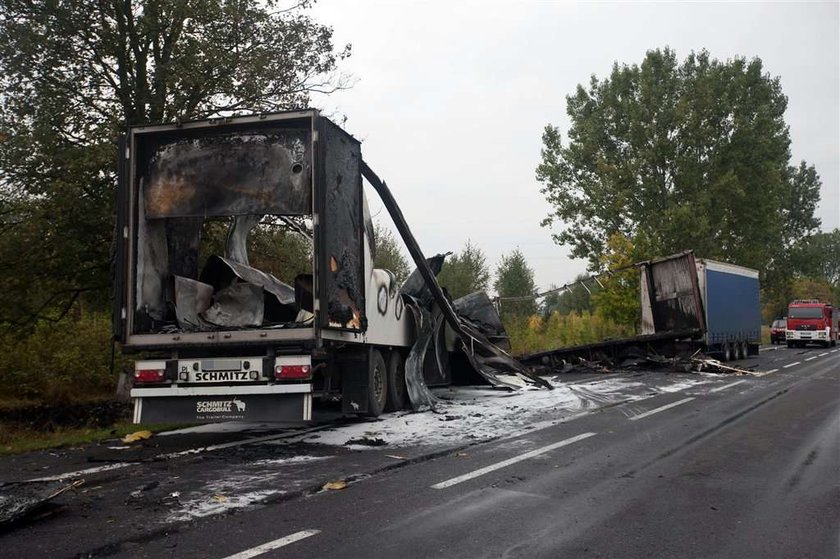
(724, 352)
(790, 344)
(730, 351)
(396, 393)
(378, 383)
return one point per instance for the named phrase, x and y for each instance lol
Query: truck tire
(396, 393)
(377, 383)
(728, 353)
(724, 352)
(790, 344)
(742, 350)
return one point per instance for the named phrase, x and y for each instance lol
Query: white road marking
(725, 386)
(510, 461)
(812, 358)
(835, 350)
(768, 372)
(791, 364)
(663, 408)
(822, 354)
(269, 546)
(80, 473)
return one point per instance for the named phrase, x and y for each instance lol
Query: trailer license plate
(221, 376)
(221, 370)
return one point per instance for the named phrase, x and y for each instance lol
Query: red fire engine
(811, 321)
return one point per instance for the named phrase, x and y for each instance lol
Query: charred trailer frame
(718, 299)
(687, 304)
(227, 340)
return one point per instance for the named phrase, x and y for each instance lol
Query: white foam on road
(219, 504)
(472, 414)
(243, 487)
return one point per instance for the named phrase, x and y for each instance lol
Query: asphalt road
(741, 466)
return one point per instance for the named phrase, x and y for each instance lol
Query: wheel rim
(378, 383)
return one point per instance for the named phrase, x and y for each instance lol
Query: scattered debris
(137, 436)
(366, 441)
(710, 365)
(220, 498)
(335, 485)
(19, 500)
(395, 457)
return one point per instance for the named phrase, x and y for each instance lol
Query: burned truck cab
(234, 328)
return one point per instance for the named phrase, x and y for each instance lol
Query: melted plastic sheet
(419, 395)
(479, 310)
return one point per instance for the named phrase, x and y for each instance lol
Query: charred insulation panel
(673, 293)
(340, 251)
(241, 173)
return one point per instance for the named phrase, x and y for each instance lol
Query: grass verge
(15, 439)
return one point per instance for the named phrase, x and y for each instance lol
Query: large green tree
(74, 73)
(674, 156)
(819, 256)
(465, 272)
(515, 285)
(813, 267)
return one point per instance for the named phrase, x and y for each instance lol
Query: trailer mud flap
(212, 409)
(355, 382)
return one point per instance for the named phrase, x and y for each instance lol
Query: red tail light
(149, 375)
(292, 372)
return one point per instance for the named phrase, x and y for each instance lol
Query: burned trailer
(223, 339)
(687, 305)
(223, 336)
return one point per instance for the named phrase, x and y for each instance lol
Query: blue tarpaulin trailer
(720, 300)
(687, 304)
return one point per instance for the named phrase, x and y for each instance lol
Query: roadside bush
(62, 362)
(536, 333)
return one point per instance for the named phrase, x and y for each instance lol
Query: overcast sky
(451, 99)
